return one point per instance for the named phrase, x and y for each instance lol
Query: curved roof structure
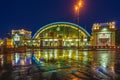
(66, 24)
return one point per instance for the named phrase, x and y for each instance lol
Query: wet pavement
(60, 65)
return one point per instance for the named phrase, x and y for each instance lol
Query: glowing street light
(77, 10)
(78, 5)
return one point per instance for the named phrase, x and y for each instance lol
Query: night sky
(33, 14)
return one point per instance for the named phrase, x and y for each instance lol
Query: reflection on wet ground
(59, 64)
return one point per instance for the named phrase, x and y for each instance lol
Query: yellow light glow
(80, 4)
(76, 8)
(113, 26)
(95, 27)
(112, 68)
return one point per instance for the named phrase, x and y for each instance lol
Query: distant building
(103, 34)
(19, 36)
(117, 37)
(24, 33)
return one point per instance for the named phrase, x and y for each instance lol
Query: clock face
(58, 29)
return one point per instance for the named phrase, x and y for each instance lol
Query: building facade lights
(65, 34)
(103, 34)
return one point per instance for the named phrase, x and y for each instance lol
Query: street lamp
(77, 10)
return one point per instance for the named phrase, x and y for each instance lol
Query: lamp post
(77, 10)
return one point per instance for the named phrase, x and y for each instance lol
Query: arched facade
(62, 34)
